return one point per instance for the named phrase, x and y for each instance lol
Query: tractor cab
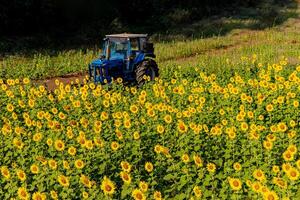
(122, 54)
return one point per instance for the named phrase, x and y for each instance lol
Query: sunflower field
(186, 135)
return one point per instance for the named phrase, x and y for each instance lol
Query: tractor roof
(127, 35)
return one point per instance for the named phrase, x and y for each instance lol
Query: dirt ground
(66, 79)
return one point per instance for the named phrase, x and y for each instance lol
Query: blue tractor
(129, 56)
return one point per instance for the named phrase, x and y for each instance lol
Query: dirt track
(66, 79)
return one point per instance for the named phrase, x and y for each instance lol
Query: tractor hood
(109, 63)
(99, 62)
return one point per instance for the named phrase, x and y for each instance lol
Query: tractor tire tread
(140, 70)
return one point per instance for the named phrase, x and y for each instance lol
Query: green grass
(210, 53)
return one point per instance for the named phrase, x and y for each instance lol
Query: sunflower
(231, 135)
(52, 164)
(10, 107)
(280, 182)
(54, 111)
(107, 186)
(259, 175)
(256, 186)
(271, 137)
(143, 186)
(18, 143)
(34, 169)
(98, 142)
(59, 145)
(185, 158)
(142, 99)
(270, 195)
(85, 195)
(157, 195)
(114, 146)
(182, 127)
(22, 193)
(292, 134)
(85, 181)
(250, 114)
(293, 174)
(158, 148)
(292, 149)
(280, 99)
(269, 107)
(49, 142)
(53, 194)
(261, 117)
(134, 109)
(273, 128)
(119, 134)
(89, 144)
(248, 183)
(37, 137)
(239, 117)
(66, 164)
(149, 167)
(286, 167)
(235, 184)
(125, 166)
(138, 195)
(296, 104)
(282, 127)
(150, 112)
(198, 160)
(63, 181)
(197, 191)
(38, 196)
(268, 145)
(237, 166)
(72, 151)
(79, 164)
(298, 164)
(21, 175)
(160, 129)
(244, 126)
(288, 156)
(127, 123)
(211, 167)
(275, 169)
(168, 119)
(5, 172)
(119, 80)
(26, 81)
(293, 123)
(125, 177)
(61, 116)
(105, 103)
(136, 135)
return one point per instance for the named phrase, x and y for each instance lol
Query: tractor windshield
(116, 48)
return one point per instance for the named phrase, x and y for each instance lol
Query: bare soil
(65, 79)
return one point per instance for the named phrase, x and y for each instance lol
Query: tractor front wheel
(147, 68)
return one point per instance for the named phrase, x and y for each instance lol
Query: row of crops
(182, 137)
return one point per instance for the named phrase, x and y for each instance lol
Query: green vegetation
(209, 53)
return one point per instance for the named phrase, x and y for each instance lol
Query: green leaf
(180, 196)
(169, 177)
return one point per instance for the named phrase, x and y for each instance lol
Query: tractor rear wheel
(146, 68)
